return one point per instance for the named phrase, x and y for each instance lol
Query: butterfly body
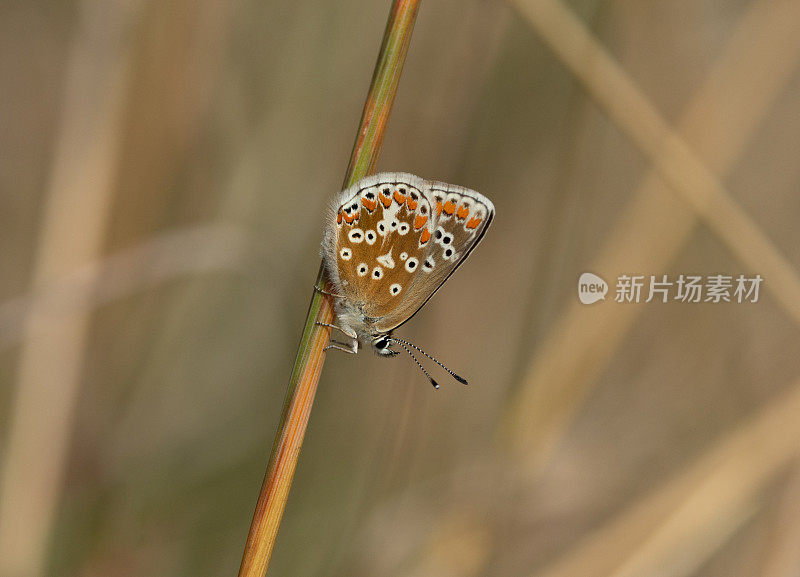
(390, 241)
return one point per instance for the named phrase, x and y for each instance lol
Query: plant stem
(310, 355)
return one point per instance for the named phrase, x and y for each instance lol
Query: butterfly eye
(345, 253)
(448, 238)
(381, 228)
(356, 235)
(403, 255)
(395, 288)
(403, 229)
(428, 264)
(370, 236)
(438, 233)
(363, 269)
(448, 253)
(393, 225)
(411, 264)
(377, 272)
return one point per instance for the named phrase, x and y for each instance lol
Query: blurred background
(164, 166)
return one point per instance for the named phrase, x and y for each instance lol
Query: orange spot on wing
(385, 200)
(419, 221)
(474, 222)
(351, 218)
(339, 217)
(412, 204)
(426, 235)
(438, 207)
(449, 207)
(463, 212)
(370, 205)
(400, 198)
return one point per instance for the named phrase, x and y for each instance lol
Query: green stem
(311, 355)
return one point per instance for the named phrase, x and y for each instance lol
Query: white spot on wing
(386, 259)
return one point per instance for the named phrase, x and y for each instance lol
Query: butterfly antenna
(402, 343)
(427, 374)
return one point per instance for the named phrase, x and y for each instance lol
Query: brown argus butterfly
(390, 241)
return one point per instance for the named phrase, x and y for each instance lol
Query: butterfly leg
(352, 348)
(323, 291)
(348, 331)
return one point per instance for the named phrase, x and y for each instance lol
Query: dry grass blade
(563, 368)
(79, 191)
(783, 554)
(310, 356)
(672, 156)
(673, 529)
(189, 251)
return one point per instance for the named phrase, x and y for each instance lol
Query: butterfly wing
(460, 219)
(383, 225)
(396, 240)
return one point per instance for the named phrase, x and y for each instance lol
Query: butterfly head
(381, 344)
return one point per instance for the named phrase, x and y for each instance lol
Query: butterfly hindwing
(383, 229)
(460, 219)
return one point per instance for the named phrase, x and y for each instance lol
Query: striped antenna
(403, 344)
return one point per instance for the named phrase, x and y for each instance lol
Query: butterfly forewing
(460, 219)
(383, 231)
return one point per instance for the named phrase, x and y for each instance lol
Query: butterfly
(390, 241)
